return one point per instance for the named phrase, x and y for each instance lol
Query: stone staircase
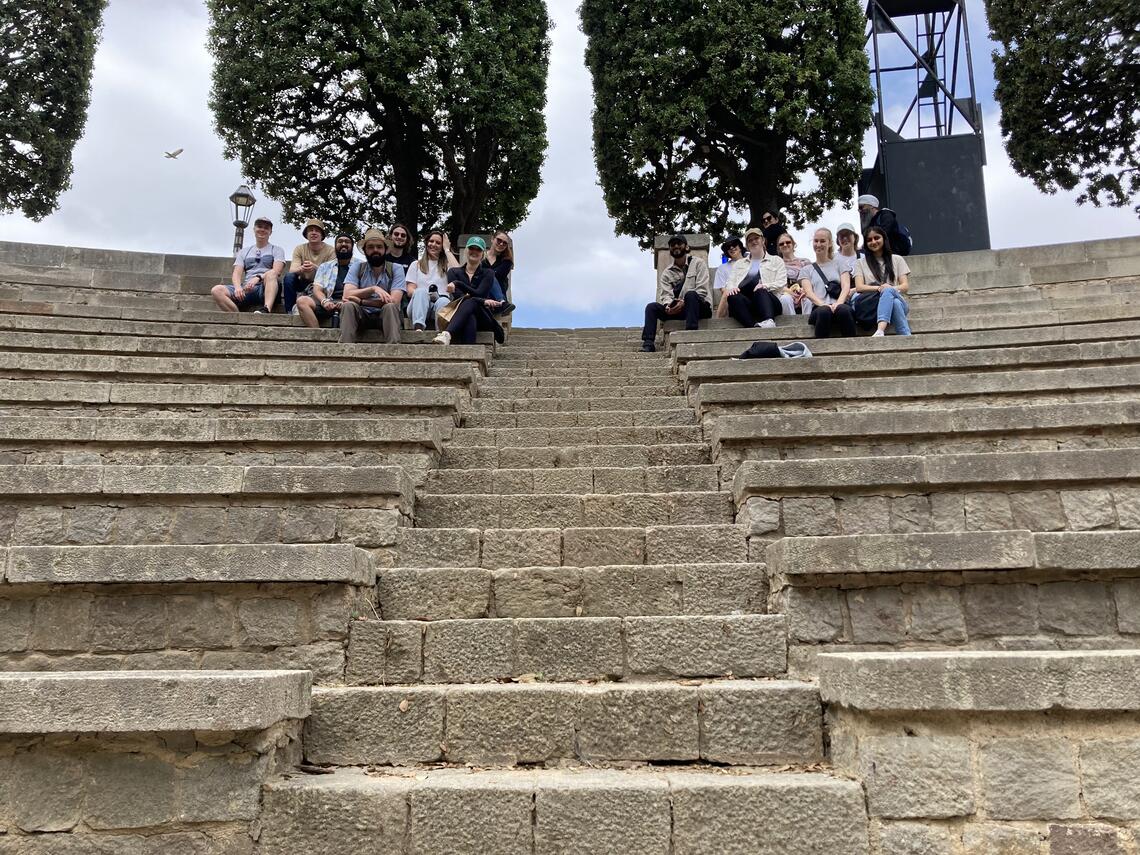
(261, 593)
(563, 660)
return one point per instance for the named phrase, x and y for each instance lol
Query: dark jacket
(478, 288)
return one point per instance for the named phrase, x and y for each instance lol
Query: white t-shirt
(433, 277)
(897, 262)
(833, 271)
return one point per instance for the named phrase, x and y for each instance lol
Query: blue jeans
(893, 309)
(497, 292)
(421, 300)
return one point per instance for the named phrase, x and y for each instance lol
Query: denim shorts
(254, 295)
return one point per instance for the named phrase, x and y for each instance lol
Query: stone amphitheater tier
(264, 593)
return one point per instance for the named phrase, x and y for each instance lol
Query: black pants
(695, 309)
(749, 308)
(462, 323)
(823, 318)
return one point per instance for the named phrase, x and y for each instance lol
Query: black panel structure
(931, 151)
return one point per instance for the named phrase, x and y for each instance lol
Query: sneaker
(878, 334)
(647, 347)
(419, 327)
(443, 338)
(767, 325)
(506, 308)
(261, 310)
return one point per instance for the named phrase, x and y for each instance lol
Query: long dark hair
(410, 247)
(883, 267)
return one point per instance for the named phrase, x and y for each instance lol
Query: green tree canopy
(705, 108)
(369, 111)
(47, 50)
(1067, 81)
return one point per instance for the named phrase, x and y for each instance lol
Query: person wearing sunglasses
(402, 250)
(786, 249)
(500, 258)
(255, 276)
(772, 225)
(755, 295)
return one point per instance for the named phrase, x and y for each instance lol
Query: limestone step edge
(647, 811)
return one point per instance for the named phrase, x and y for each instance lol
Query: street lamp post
(243, 201)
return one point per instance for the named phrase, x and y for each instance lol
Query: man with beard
(328, 285)
(307, 257)
(682, 289)
(372, 293)
(870, 214)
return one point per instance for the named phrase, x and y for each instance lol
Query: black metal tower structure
(931, 148)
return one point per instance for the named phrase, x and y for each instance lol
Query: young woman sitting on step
(881, 281)
(827, 287)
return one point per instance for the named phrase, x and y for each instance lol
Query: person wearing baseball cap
(469, 287)
(307, 257)
(682, 290)
(847, 236)
(757, 294)
(255, 276)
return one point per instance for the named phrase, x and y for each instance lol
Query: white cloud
(151, 86)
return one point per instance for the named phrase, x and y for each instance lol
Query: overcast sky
(151, 83)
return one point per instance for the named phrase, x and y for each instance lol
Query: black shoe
(261, 310)
(647, 347)
(506, 308)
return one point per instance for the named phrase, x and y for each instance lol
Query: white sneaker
(877, 334)
(443, 338)
(767, 325)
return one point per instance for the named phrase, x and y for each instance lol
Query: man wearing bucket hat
(373, 290)
(307, 257)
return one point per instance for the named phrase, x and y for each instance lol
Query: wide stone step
(565, 649)
(665, 388)
(581, 418)
(502, 371)
(175, 369)
(697, 350)
(1044, 427)
(546, 437)
(519, 482)
(571, 811)
(142, 701)
(454, 593)
(574, 456)
(930, 388)
(543, 510)
(1110, 354)
(571, 547)
(412, 400)
(568, 405)
(616, 360)
(502, 387)
(302, 356)
(731, 722)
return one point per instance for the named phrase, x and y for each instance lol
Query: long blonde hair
(441, 262)
(830, 242)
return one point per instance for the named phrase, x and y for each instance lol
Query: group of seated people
(842, 289)
(328, 283)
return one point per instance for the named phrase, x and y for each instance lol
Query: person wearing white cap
(847, 236)
(870, 214)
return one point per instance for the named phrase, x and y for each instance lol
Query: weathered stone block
(468, 651)
(455, 816)
(911, 514)
(633, 589)
(569, 648)
(1076, 608)
(1126, 594)
(271, 622)
(511, 724)
(813, 614)
(935, 614)
(201, 620)
(865, 514)
(15, 624)
(639, 722)
(1088, 509)
(522, 548)
(221, 788)
(743, 646)
(761, 723)
(985, 839)
(375, 725)
(917, 777)
(876, 615)
(912, 838)
(1030, 779)
(598, 547)
(1084, 840)
(1109, 784)
(45, 790)
(537, 591)
(62, 623)
(948, 511)
(1127, 501)
(760, 516)
(434, 593)
(683, 544)
(1000, 610)
(366, 527)
(1038, 511)
(384, 652)
(129, 791)
(599, 812)
(813, 516)
(128, 623)
(987, 512)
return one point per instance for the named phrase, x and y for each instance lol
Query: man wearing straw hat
(373, 290)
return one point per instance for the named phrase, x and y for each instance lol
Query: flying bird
(173, 155)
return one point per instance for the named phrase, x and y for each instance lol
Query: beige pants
(354, 320)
